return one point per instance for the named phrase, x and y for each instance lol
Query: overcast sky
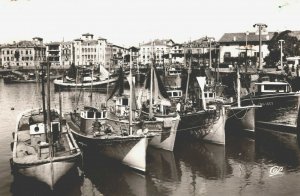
(129, 22)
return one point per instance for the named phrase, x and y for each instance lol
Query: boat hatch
(93, 114)
(55, 129)
(37, 133)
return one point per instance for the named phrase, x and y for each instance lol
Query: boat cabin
(209, 95)
(93, 113)
(174, 94)
(272, 87)
(121, 106)
(172, 71)
(90, 119)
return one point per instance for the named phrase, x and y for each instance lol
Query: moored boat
(202, 112)
(84, 78)
(112, 138)
(34, 156)
(241, 118)
(280, 106)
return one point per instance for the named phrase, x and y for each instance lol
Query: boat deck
(34, 148)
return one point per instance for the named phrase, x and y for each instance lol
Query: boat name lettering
(266, 104)
(153, 126)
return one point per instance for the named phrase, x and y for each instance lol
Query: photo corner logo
(275, 170)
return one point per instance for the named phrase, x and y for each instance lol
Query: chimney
(234, 38)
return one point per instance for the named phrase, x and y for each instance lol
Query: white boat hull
(165, 135)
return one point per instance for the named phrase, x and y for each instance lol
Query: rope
(234, 114)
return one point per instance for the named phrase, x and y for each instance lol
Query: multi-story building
(157, 48)
(234, 45)
(24, 53)
(60, 54)
(133, 52)
(114, 55)
(88, 50)
(53, 53)
(67, 53)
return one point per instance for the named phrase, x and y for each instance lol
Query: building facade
(27, 54)
(156, 49)
(235, 45)
(88, 50)
(60, 54)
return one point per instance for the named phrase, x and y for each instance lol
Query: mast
(49, 123)
(48, 108)
(91, 95)
(108, 77)
(44, 102)
(238, 86)
(188, 79)
(151, 84)
(131, 97)
(60, 111)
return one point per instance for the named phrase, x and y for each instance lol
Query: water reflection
(25, 186)
(278, 149)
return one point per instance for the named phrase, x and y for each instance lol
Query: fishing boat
(159, 117)
(203, 119)
(241, 118)
(97, 130)
(202, 112)
(280, 105)
(43, 148)
(85, 79)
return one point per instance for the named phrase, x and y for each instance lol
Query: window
(257, 54)
(125, 101)
(175, 94)
(243, 54)
(90, 114)
(227, 54)
(98, 114)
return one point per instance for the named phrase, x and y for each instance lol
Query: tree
(289, 48)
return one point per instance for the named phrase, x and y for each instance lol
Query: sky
(130, 22)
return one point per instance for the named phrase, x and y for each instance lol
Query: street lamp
(280, 41)
(260, 26)
(247, 33)
(210, 39)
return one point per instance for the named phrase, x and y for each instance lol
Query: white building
(88, 50)
(234, 45)
(157, 48)
(27, 54)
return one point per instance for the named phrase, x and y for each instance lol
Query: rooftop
(241, 37)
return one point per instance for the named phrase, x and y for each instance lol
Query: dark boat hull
(204, 125)
(281, 109)
(241, 121)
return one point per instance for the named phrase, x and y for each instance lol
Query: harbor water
(268, 164)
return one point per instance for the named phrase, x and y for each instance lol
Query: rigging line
(235, 113)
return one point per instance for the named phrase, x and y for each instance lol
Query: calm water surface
(242, 167)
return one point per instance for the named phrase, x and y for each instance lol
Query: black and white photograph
(149, 97)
